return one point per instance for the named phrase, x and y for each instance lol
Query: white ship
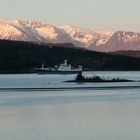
(63, 68)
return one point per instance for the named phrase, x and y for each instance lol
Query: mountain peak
(22, 22)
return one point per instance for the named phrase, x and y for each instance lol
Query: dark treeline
(127, 53)
(22, 57)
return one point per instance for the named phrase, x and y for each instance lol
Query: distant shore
(18, 57)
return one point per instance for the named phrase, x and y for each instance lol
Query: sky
(110, 15)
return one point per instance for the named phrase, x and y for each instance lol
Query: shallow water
(103, 114)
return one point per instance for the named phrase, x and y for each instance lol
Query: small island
(95, 78)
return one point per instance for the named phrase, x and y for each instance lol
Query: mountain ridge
(102, 41)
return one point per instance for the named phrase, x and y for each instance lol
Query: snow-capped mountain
(121, 41)
(94, 40)
(13, 30)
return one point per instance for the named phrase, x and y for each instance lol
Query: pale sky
(92, 14)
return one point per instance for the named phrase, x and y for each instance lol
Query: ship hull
(41, 71)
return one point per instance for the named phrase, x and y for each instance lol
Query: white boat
(63, 68)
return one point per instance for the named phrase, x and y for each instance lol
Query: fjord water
(81, 114)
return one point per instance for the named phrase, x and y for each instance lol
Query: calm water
(103, 114)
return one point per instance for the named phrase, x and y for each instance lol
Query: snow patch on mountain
(121, 41)
(86, 38)
(13, 30)
(7, 31)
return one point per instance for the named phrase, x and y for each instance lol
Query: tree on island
(79, 77)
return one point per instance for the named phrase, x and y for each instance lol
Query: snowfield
(104, 41)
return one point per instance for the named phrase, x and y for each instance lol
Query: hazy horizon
(90, 14)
